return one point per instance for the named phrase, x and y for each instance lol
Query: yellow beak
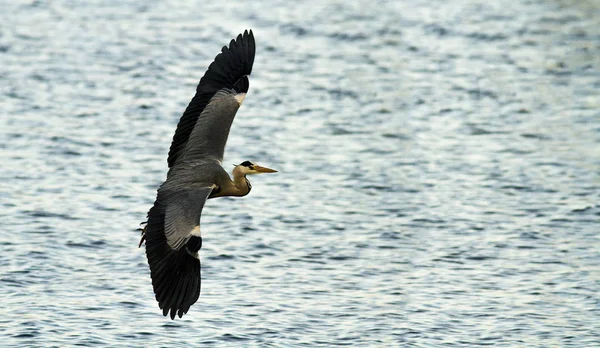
(260, 169)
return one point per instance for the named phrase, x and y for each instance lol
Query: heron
(172, 230)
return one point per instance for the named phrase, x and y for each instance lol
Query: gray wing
(210, 133)
(182, 215)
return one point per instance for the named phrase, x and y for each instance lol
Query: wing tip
(180, 292)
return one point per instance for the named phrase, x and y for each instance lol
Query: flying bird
(172, 230)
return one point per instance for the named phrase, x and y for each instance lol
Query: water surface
(439, 173)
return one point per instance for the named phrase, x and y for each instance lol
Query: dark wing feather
(229, 66)
(172, 251)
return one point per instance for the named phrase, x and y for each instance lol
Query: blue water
(439, 174)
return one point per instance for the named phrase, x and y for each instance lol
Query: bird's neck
(240, 182)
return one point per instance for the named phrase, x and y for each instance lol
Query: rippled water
(439, 173)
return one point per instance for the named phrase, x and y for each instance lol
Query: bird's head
(248, 167)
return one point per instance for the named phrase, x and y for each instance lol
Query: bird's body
(172, 233)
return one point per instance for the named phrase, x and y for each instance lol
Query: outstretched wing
(210, 134)
(172, 243)
(226, 71)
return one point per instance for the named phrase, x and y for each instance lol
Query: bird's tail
(175, 273)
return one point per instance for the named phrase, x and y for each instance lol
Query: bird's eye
(247, 164)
